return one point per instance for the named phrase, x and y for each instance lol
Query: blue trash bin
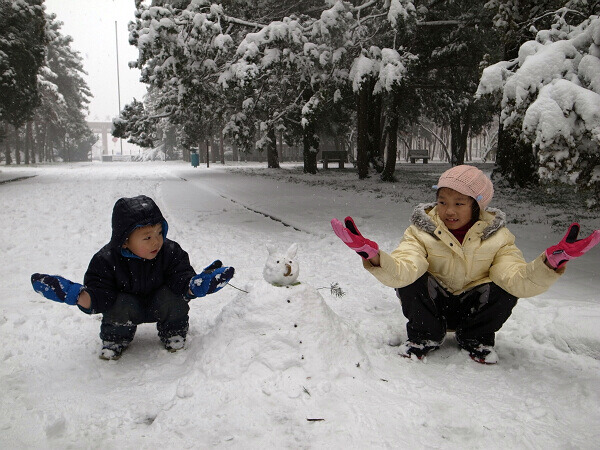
(195, 159)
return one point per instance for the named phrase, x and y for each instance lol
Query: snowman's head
(281, 268)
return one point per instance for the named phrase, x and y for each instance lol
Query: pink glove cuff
(370, 249)
(557, 258)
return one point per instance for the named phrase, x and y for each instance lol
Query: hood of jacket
(131, 213)
(423, 218)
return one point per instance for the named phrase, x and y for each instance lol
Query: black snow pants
(474, 315)
(168, 310)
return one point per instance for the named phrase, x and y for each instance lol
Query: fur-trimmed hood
(422, 219)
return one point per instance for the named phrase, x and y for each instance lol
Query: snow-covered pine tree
(551, 97)
(65, 97)
(22, 50)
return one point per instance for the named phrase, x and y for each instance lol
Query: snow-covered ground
(260, 367)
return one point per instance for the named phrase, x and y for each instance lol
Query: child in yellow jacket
(458, 268)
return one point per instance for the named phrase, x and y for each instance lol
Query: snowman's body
(275, 329)
(281, 327)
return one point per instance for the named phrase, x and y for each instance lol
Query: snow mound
(274, 329)
(583, 339)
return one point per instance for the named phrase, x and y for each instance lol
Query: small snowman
(282, 335)
(281, 269)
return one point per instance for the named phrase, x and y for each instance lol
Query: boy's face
(455, 209)
(145, 242)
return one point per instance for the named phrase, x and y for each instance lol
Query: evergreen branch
(242, 22)
(335, 290)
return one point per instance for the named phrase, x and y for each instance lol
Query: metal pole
(118, 80)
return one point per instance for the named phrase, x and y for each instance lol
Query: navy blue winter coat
(113, 269)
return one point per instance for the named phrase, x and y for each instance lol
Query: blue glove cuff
(73, 294)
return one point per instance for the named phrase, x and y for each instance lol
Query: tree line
(366, 72)
(373, 69)
(43, 96)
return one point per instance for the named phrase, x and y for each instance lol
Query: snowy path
(56, 393)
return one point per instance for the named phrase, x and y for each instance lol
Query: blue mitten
(211, 279)
(56, 288)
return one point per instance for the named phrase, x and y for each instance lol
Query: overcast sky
(91, 24)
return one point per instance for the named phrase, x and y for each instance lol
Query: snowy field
(281, 367)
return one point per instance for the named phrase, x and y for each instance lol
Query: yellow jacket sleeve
(512, 273)
(404, 266)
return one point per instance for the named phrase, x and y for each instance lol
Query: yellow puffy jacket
(488, 254)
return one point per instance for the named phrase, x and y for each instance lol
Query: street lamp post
(118, 81)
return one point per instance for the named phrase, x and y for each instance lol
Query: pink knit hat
(468, 180)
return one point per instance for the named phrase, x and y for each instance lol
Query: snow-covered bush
(551, 94)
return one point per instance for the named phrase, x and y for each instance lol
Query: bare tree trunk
(201, 153)
(362, 135)
(392, 150)
(43, 143)
(281, 156)
(236, 152)
(28, 146)
(376, 131)
(17, 147)
(391, 132)
(207, 142)
(221, 148)
(470, 150)
(310, 143)
(38, 143)
(7, 158)
(440, 139)
(272, 156)
(459, 127)
(65, 148)
(214, 150)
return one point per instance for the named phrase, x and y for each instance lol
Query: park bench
(415, 154)
(334, 156)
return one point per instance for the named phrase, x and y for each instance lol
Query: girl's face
(455, 209)
(145, 242)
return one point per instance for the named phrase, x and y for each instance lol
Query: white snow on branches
(551, 93)
(383, 64)
(400, 9)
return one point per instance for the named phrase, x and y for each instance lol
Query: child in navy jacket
(140, 276)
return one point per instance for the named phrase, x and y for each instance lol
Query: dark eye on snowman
(277, 261)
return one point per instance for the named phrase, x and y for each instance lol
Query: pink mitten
(353, 239)
(570, 247)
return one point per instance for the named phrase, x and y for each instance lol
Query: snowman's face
(282, 268)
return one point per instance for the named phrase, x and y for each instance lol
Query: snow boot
(112, 350)
(481, 353)
(418, 349)
(174, 343)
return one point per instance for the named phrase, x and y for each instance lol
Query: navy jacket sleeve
(100, 282)
(179, 270)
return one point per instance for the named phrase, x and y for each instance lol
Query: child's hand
(56, 288)
(211, 279)
(353, 239)
(570, 247)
